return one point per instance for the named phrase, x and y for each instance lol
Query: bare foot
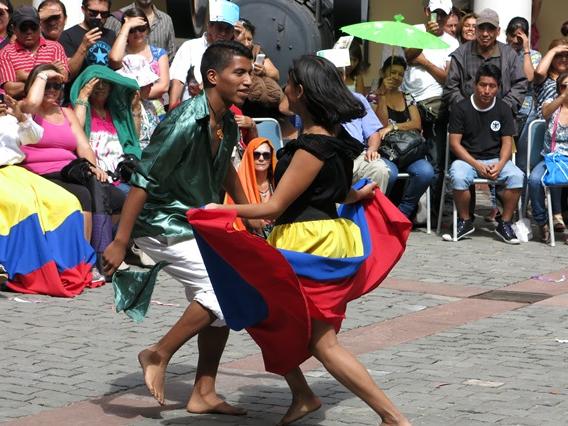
(212, 404)
(299, 409)
(154, 366)
(401, 421)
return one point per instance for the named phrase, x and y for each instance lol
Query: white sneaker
(145, 260)
(97, 276)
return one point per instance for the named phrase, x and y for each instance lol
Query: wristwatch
(43, 76)
(394, 125)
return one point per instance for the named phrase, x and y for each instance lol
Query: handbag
(556, 164)
(404, 147)
(77, 171)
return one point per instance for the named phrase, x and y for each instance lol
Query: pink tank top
(55, 149)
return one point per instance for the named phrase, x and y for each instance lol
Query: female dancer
(314, 173)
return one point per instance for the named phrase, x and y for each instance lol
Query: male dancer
(186, 165)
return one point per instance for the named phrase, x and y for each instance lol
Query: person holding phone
(262, 66)
(89, 42)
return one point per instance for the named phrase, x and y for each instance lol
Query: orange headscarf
(247, 174)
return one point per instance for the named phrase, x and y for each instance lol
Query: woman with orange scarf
(256, 172)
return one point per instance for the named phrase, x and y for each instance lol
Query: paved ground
(445, 354)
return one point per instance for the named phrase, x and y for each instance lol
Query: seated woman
(42, 246)
(132, 40)
(555, 140)
(399, 110)
(63, 141)
(256, 173)
(110, 122)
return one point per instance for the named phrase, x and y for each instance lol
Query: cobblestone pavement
(442, 352)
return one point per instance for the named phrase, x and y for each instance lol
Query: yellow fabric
(23, 193)
(335, 238)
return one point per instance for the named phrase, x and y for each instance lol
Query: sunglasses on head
(94, 13)
(53, 85)
(263, 155)
(140, 29)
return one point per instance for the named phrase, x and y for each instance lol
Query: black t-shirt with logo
(97, 54)
(482, 130)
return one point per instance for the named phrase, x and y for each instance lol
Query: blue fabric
(56, 246)
(536, 195)
(362, 128)
(321, 268)
(241, 303)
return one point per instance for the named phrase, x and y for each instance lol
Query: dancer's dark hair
(219, 54)
(325, 95)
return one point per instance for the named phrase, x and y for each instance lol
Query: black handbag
(403, 147)
(77, 171)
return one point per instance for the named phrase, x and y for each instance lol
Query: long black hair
(326, 97)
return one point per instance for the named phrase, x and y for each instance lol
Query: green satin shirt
(178, 171)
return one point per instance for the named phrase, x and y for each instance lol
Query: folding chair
(535, 143)
(269, 128)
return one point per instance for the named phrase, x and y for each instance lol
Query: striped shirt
(161, 30)
(15, 57)
(544, 93)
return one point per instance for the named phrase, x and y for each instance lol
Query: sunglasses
(53, 85)
(140, 29)
(26, 26)
(94, 13)
(264, 155)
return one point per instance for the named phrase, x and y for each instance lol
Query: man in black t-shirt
(481, 137)
(89, 42)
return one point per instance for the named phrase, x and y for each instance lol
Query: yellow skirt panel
(334, 238)
(23, 193)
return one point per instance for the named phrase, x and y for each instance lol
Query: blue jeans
(536, 195)
(421, 177)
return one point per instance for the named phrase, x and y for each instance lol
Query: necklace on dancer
(217, 130)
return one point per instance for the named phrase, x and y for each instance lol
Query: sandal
(545, 233)
(558, 222)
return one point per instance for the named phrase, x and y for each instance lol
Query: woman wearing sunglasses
(256, 173)
(133, 40)
(63, 141)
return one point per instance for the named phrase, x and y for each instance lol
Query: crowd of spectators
(99, 89)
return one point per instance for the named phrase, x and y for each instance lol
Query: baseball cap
(223, 11)
(488, 16)
(338, 57)
(445, 5)
(25, 14)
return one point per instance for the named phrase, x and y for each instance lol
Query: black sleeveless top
(333, 182)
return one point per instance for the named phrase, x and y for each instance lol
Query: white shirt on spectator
(188, 55)
(14, 134)
(419, 82)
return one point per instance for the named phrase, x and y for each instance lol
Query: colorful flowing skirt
(316, 269)
(42, 243)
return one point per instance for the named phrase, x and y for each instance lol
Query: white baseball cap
(223, 11)
(445, 5)
(338, 57)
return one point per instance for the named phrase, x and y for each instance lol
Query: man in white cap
(467, 59)
(426, 75)
(223, 15)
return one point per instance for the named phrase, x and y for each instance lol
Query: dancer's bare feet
(212, 404)
(154, 367)
(400, 421)
(300, 407)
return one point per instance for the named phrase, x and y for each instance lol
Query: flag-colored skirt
(42, 243)
(307, 270)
